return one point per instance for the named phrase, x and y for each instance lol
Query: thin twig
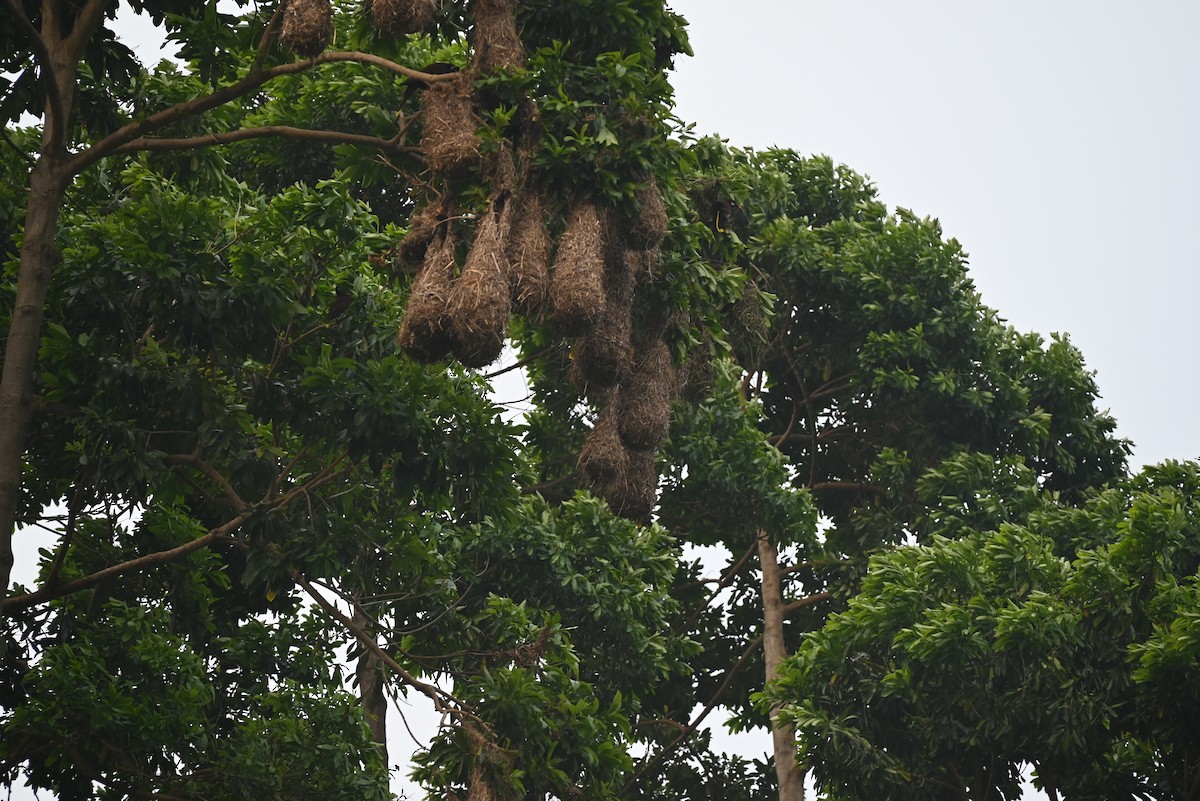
(442, 700)
(695, 724)
(521, 363)
(194, 461)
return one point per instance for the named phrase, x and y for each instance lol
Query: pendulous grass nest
(402, 16)
(307, 27)
(425, 332)
(577, 280)
(480, 301)
(644, 415)
(648, 227)
(497, 43)
(529, 247)
(449, 140)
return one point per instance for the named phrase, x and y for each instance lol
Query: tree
(866, 360)
(1028, 633)
(252, 479)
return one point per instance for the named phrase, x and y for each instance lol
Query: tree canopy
(257, 307)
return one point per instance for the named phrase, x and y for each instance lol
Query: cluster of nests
(476, 270)
(584, 284)
(308, 24)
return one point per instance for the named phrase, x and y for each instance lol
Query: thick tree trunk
(47, 187)
(791, 779)
(370, 689)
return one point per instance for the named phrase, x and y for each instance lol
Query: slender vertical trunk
(47, 187)
(48, 184)
(791, 779)
(370, 689)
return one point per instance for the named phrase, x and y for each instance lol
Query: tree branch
(19, 602)
(284, 131)
(198, 105)
(268, 38)
(439, 696)
(690, 729)
(204, 467)
(85, 26)
(41, 52)
(807, 600)
(857, 486)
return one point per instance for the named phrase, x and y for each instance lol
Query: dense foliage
(264, 517)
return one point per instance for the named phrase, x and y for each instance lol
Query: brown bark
(783, 737)
(47, 187)
(370, 688)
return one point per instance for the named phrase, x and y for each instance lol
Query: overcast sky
(1057, 140)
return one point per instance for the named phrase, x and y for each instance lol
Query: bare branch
(19, 602)
(41, 52)
(695, 724)
(268, 38)
(442, 700)
(204, 467)
(857, 486)
(85, 26)
(242, 134)
(198, 105)
(521, 363)
(807, 600)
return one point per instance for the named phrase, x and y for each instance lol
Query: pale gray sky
(1055, 139)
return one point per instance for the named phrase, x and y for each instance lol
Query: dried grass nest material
(421, 229)
(577, 280)
(480, 302)
(449, 140)
(604, 355)
(648, 227)
(529, 247)
(307, 27)
(697, 373)
(402, 16)
(644, 415)
(747, 325)
(497, 43)
(425, 332)
(634, 494)
(604, 458)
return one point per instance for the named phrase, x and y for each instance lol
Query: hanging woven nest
(697, 373)
(604, 354)
(497, 43)
(633, 494)
(480, 302)
(748, 329)
(421, 228)
(603, 458)
(398, 17)
(644, 264)
(577, 280)
(448, 138)
(644, 416)
(425, 333)
(529, 246)
(648, 227)
(307, 27)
